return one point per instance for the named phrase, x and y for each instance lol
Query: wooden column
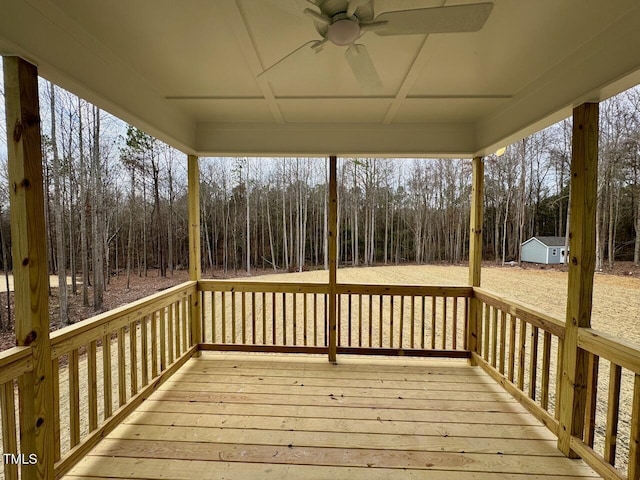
(194, 245)
(475, 249)
(333, 253)
(582, 242)
(28, 239)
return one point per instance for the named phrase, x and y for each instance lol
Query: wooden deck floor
(276, 417)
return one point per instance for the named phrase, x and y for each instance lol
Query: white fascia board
(601, 68)
(440, 140)
(67, 55)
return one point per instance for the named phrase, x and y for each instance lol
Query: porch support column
(194, 245)
(582, 242)
(475, 250)
(333, 254)
(29, 250)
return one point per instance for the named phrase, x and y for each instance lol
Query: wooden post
(333, 252)
(28, 239)
(584, 173)
(475, 250)
(194, 246)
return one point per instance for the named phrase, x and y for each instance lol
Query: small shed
(547, 250)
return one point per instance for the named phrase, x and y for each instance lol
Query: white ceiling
(187, 72)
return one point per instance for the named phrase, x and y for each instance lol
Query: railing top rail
(14, 362)
(135, 309)
(406, 290)
(525, 312)
(616, 350)
(240, 285)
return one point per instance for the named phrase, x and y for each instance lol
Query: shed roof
(188, 72)
(549, 241)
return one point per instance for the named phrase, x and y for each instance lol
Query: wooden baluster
(170, 333)
(144, 352)
(213, 317)
(326, 322)
(359, 320)
(533, 363)
(444, 323)
(273, 318)
(233, 317)
(92, 385)
(613, 411)
(284, 318)
(243, 296)
(349, 327)
(55, 377)
(494, 338)
(413, 321)
(163, 340)
(465, 340)
(106, 375)
(558, 379)
(423, 322)
(186, 323)
(400, 335)
(592, 396)
(433, 323)
(486, 332)
(122, 380)
(546, 366)
(391, 322)
(9, 431)
(370, 321)
(74, 399)
(223, 317)
(305, 306)
(202, 324)
(315, 319)
(253, 318)
(133, 356)
(522, 345)
(503, 338)
(294, 313)
(264, 318)
(512, 347)
(339, 320)
(454, 333)
(177, 326)
(154, 344)
(380, 320)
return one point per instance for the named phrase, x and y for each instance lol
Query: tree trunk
(98, 217)
(84, 206)
(61, 257)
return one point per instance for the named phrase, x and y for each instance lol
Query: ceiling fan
(343, 22)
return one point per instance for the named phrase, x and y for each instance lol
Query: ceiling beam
(238, 24)
(410, 78)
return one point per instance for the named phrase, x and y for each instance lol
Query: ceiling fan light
(343, 32)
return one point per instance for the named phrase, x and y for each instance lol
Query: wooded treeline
(116, 202)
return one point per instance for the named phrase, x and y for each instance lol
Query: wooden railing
(113, 361)
(522, 350)
(371, 319)
(14, 363)
(402, 319)
(611, 441)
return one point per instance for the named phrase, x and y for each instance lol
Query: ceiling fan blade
(456, 18)
(305, 50)
(354, 5)
(294, 7)
(360, 62)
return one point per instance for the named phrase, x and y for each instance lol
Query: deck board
(252, 416)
